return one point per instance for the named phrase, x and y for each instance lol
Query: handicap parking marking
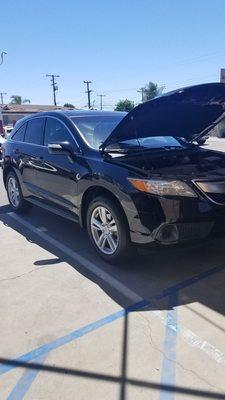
(192, 339)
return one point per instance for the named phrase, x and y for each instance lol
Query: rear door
(28, 151)
(56, 177)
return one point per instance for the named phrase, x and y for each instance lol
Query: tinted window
(56, 132)
(19, 134)
(34, 131)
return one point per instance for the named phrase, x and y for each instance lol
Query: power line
(2, 100)
(101, 96)
(181, 62)
(88, 93)
(54, 85)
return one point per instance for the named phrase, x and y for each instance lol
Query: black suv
(127, 178)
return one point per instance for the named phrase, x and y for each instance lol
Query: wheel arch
(6, 171)
(94, 192)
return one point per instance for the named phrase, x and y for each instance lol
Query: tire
(110, 232)
(16, 201)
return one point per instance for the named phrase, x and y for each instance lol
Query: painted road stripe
(25, 382)
(168, 375)
(46, 348)
(192, 339)
(88, 265)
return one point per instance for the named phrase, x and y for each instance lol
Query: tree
(18, 100)
(151, 90)
(68, 105)
(124, 105)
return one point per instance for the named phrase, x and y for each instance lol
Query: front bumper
(172, 221)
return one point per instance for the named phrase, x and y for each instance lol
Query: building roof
(77, 113)
(28, 108)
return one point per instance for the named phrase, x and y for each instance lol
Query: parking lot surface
(74, 327)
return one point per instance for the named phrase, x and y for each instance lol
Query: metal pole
(2, 94)
(88, 93)
(3, 53)
(101, 96)
(54, 86)
(141, 90)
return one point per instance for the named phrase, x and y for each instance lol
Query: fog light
(168, 234)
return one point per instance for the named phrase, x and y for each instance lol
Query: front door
(56, 176)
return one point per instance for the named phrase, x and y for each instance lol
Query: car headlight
(162, 187)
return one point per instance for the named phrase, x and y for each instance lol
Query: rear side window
(34, 131)
(56, 132)
(19, 134)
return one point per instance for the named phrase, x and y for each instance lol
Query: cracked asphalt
(67, 329)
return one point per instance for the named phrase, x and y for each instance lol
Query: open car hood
(187, 113)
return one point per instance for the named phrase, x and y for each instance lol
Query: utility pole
(141, 90)
(54, 85)
(2, 54)
(88, 93)
(2, 94)
(222, 75)
(101, 96)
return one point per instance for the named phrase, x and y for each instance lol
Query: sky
(119, 45)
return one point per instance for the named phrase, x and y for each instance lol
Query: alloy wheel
(104, 230)
(13, 192)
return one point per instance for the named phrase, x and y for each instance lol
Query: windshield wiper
(172, 147)
(131, 150)
(121, 151)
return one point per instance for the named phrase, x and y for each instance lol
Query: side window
(34, 131)
(19, 134)
(55, 132)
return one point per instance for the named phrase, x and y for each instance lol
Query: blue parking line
(190, 281)
(44, 349)
(25, 382)
(168, 375)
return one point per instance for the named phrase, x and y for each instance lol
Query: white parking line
(88, 265)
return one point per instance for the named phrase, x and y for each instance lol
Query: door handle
(17, 151)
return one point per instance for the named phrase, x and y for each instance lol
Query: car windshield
(96, 129)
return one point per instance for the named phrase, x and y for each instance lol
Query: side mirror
(60, 148)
